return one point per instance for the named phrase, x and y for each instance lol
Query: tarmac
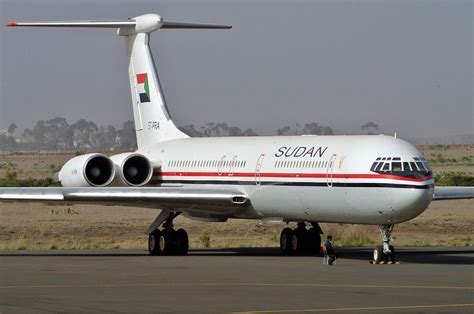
(235, 280)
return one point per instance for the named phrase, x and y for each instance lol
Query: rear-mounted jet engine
(87, 170)
(131, 169)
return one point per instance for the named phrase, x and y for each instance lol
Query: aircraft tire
(298, 241)
(313, 240)
(182, 242)
(392, 253)
(378, 254)
(154, 243)
(167, 241)
(285, 241)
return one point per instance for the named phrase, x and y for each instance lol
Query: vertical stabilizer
(152, 119)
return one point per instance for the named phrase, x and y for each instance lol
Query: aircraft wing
(453, 192)
(211, 200)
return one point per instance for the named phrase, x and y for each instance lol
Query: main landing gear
(168, 241)
(301, 240)
(385, 253)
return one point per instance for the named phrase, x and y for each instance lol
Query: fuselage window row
(301, 164)
(207, 163)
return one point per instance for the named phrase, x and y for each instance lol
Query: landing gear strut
(386, 252)
(168, 241)
(301, 240)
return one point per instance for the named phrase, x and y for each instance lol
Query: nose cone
(410, 203)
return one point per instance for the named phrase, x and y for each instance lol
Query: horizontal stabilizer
(179, 25)
(140, 24)
(98, 24)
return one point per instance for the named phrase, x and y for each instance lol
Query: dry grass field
(37, 226)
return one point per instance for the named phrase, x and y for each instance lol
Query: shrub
(454, 178)
(205, 240)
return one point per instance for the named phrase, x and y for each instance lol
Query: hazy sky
(406, 65)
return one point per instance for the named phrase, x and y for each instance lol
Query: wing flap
(453, 192)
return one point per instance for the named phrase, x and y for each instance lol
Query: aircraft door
(258, 169)
(220, 166)
(232, 165)
(329, 170)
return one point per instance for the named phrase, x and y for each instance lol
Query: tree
(127, 135)
(308, 128)
(370, 128)
(12, 128)
(283, 131)
(191, 130)
(84, 133)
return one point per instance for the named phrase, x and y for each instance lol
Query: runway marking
(309, 285)
(372, 308)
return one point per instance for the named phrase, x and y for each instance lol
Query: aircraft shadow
(445, 256)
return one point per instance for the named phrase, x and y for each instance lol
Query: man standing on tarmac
(329, 250)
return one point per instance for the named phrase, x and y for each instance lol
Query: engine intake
(132, 169)
(87, 170)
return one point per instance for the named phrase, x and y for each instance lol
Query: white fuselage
(301, 178)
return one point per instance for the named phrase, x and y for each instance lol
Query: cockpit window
(406, 166)
(379, 167)
(416, 167)
(397, 166)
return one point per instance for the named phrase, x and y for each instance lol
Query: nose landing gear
(385, 253)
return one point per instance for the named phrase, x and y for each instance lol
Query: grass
(454, 178)
(353, 235)
(11, 180)
(46, 238)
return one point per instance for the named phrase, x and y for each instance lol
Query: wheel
(313, 240)
(154, 243)
(285, 241)
(378, 255)
(182, 242)
(392, 253)
(167, 241)
(297, 241)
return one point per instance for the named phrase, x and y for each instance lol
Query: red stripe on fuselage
(289, 175)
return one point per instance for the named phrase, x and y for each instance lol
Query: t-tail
(152, 119)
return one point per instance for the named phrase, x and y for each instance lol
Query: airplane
(357, 179)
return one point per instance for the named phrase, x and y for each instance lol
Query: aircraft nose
(409, 203)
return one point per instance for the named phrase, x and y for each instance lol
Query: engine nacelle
(87, 170)
(132, 169)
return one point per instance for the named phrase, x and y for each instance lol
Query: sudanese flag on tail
(143, 88)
